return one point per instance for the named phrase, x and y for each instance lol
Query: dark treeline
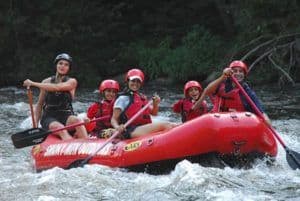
(177, 39)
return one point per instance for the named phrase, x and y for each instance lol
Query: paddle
(82, 162)
(292, 157)
(29, 94)
(37, 135)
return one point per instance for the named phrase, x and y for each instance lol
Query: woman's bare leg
(151, 128)
(64, 135)
(80, 130)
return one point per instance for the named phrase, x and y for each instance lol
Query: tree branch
(267, 53)
(256, 48)
(275, 40)
(250, 43)
(292, 60)
(281, 69)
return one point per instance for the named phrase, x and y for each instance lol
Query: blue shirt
(253, 97)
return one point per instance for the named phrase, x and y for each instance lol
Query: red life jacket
(105, 108)
(184, 107)
(137, 101)
(227, 101)
(101, 109)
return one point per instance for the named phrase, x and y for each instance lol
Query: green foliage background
(176, 39)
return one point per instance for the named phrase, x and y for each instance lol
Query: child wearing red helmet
(192, 91)
(108, 90)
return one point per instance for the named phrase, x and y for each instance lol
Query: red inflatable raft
(229, 136)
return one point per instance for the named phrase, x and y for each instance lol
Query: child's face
(238, 73)
(110, 94)
(194, 93)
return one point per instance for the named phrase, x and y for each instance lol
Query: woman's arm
(39, 106)
(69, 85)
(155, 105)
(115, 120)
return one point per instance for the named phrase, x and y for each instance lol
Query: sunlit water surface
(18, 180)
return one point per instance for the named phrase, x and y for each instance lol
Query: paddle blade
(293, 159)
(29, 137)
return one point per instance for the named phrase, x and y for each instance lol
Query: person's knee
(55, 125)
(63, 134)
(74, 120)
(167, 125)
(161, 125)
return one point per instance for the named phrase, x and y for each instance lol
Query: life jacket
(227, 99)
(58, 101)
(136, 102)
(186, 111)
(105, 109)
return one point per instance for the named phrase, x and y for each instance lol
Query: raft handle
(217, 115)
(234, 116)
(150, 141)
(248, 114)
(113, 149)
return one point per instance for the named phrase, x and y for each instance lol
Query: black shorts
(49, 117)
(127, 133)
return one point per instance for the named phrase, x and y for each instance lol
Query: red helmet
(135, 74)
(240, 64)
(109, 84)
(190, 84)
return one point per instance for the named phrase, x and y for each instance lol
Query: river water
(19, 181)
